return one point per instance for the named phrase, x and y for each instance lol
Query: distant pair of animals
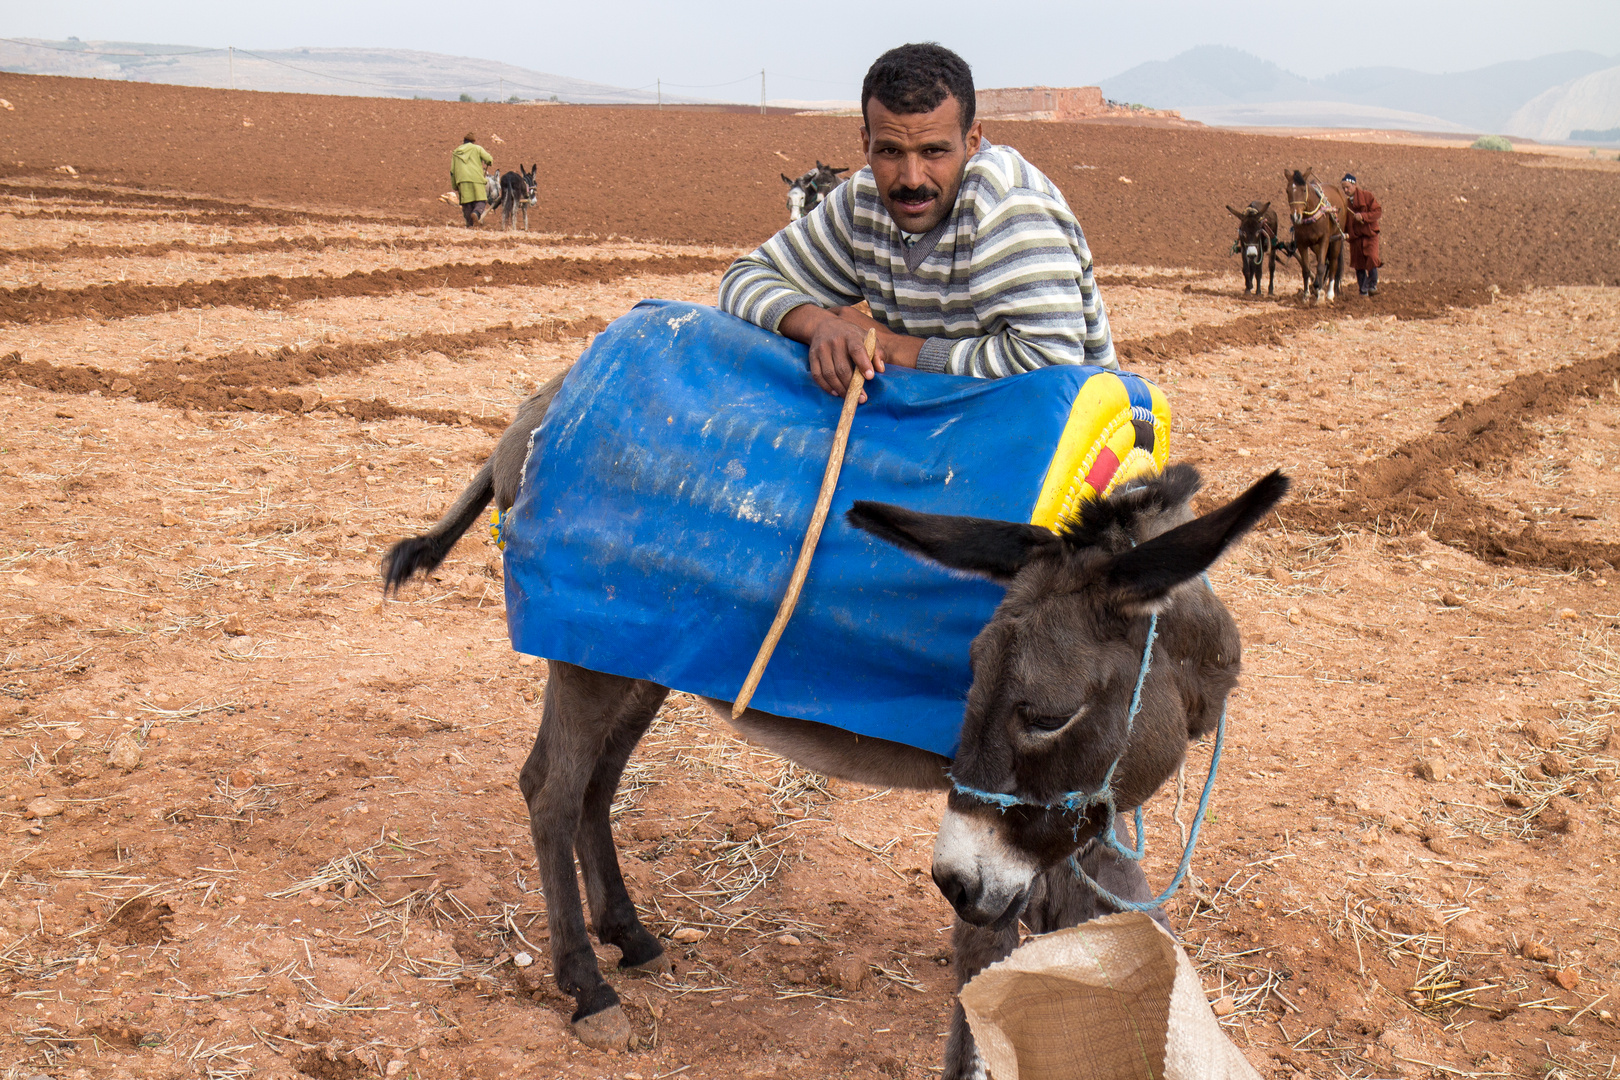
(1318, 213)
(512, 192)
(806, 192)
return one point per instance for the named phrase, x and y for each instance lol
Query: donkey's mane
(1114, 518)
(1299, 177)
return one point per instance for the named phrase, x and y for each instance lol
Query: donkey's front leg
(974, 948)
(575, 728)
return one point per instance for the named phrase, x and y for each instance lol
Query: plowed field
(261, 821)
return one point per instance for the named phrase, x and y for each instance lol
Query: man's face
(917, 160)
(1349, 189)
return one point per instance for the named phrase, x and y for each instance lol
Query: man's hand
(836, 338)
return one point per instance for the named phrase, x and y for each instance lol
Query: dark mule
(1318, 215)
(806, 192)
(1054, 673)
(1256, 241)
(518, 192)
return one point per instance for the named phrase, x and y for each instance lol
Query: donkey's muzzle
(975, 867)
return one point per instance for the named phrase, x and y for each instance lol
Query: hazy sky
(820, 50)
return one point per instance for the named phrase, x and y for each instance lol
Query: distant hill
(369, 72)
(1222, 85)
(1586, 109)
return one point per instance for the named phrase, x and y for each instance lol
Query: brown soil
(635, 172)
(260, 820)
(35, 304)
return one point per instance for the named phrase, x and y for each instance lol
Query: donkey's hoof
(606, 1030)
(658, 965)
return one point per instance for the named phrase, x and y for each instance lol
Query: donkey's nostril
(952, 887)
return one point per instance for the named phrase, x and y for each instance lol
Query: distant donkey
(1257, 240)
(518, 192)
(806, 192)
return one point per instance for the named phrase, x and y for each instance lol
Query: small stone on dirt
(1537, 951)
(1568, 978)
(850, 974)
(395, 1067)
(689, 935)
(1280, 575)
(1540, 733)
(1440, 846)
(125, 753)
(1433, 768)
(42, 808)
(1555, 764)
(1222, 1006)
(787, 939)
(241, 778)
(522, 959)
(1452, 600)
(1558, 816)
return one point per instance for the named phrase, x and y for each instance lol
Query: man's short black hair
(917, 78)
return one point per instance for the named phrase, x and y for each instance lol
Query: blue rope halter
(1104, 796)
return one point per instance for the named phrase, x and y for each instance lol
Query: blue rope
(1104, 795)
(1186, 853)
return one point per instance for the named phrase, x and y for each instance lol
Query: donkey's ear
(979, 546)
(1233, 212)
(1264, 207)
(786, 179)
(1142, 576)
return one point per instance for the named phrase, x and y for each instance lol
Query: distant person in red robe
(1363, 230)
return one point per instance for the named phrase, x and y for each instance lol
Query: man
(467, 165)
(1362, 228)
(968, 257)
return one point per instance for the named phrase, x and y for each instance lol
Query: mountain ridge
(1215, 82)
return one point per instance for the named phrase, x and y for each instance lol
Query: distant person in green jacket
(467, 165)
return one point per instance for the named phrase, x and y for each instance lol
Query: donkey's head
(531, 189)
(1251, 230)
(1057, 667)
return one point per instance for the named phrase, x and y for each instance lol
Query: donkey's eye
(1036, 720)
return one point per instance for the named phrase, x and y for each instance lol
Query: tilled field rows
(263, 820)
(286, 379)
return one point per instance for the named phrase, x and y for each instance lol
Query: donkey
(806, 192)
(519, 191)
(1318, 215)
(1257, 239)
(1054, 674)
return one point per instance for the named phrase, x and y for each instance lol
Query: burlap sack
(1111, 999)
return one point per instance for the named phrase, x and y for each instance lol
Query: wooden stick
(818, 518)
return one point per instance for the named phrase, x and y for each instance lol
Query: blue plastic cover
(669, 489)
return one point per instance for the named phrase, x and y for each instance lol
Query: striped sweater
(1003, 285)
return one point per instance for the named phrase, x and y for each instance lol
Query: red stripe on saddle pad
(1103, 470)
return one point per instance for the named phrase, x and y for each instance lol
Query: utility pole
(762, 91)
(660, 95)
(231, 60)
(500, 84)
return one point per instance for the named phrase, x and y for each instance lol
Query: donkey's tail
(498, 479)
(423, 554)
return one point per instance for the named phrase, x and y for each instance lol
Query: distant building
(1058, 103)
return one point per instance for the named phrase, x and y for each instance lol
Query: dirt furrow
(36, 304)
(256, 382)
(78, 197)
(1415, 486)
(1411, 300)
(284, 244)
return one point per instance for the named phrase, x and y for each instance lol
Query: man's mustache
(913, 194)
